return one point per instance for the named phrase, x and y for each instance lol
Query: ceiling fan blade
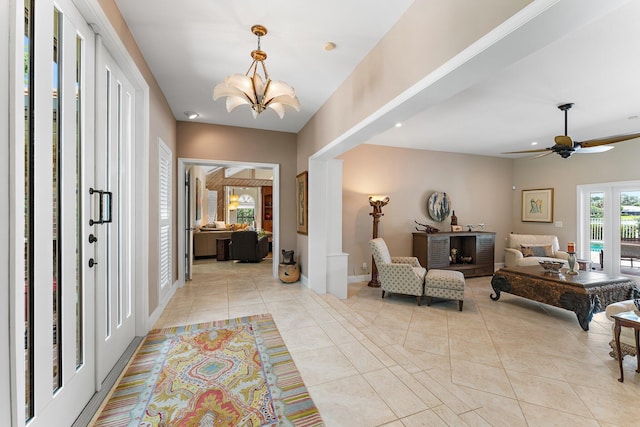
(539, 150)
(564, 140)
(608, 140)
(596, 149)
(542, 155)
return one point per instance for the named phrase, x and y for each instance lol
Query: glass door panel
(629, 235)
(596, 229)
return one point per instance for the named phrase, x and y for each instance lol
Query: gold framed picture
(302, 203)
(537, 205)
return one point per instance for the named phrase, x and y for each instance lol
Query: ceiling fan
(565, 146)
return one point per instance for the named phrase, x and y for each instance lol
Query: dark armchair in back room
(246, 246)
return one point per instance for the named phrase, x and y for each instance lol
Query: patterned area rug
(236, 372)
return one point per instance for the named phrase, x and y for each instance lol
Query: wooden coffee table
(585, 294)
(628, 319)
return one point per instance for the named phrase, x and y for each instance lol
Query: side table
(222, 249)
(631, 320)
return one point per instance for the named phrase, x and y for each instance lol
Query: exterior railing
(628, 229)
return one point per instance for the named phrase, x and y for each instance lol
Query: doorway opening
(225, 179)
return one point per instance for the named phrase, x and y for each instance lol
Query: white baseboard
(153, 318)
(360, 278)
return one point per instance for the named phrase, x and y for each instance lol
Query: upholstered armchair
(401, 275)
(246, 246)
(529, 249)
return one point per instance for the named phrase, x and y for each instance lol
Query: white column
(327, 263)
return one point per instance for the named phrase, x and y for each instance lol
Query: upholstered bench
(448, 284)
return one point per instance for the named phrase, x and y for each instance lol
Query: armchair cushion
(536, 250)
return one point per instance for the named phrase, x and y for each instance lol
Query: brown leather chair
(246, 246)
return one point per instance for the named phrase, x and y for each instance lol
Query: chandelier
(252, 89)
(234, 202)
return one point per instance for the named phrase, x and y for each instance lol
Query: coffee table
(585, 294)
(631, 320)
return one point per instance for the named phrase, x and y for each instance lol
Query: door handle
(105, 213)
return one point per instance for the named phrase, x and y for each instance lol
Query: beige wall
(162, 124)
(213, 142)
(423, 39)
(479, 188)
(564, 175)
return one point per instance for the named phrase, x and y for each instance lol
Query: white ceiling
(193, 45)
(594, 62)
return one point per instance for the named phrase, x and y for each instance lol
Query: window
(246, 209)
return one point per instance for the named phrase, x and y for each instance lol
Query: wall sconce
(377, 202)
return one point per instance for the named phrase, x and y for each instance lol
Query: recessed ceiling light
(191, 115)
(398, 125)
(534, 143)
(329, 46)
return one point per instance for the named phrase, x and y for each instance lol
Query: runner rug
(235, 372)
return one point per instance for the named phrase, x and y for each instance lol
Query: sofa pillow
(536, 250)
(220, 224)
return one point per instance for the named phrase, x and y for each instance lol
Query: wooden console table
(585, 294)
(433, 250)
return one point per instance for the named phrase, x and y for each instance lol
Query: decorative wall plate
(438, 206)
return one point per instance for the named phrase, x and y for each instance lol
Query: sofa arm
(619, 307)
(411, 260)
(511, 257)
(263, 247)
(561, 255)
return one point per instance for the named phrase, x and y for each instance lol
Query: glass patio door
(609, 218)
(629, 218)
(59, 352)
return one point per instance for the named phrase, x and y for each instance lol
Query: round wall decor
(438, 206)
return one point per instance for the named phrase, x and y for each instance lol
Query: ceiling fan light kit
(565, 146)
(254, 90)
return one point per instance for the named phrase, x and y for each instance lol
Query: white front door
(113, 211)
(59, 351)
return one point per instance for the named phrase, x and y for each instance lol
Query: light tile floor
(369, 361)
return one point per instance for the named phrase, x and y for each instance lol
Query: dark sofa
(246, 246)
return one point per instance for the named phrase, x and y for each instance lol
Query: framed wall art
(302, 203)
(537, 205)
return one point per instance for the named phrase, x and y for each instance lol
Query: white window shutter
(165, 213)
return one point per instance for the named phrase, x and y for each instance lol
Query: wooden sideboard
(434, 249)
